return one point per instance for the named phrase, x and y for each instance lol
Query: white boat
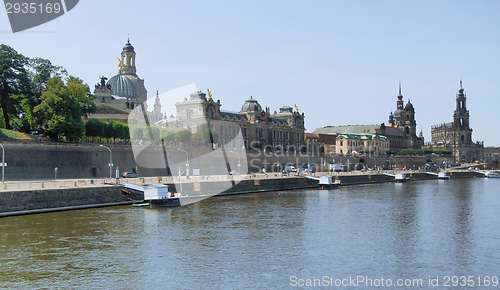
(493, 174)
(157, 195)
(326, 182)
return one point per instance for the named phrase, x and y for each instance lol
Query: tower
(398, 114)
(463, 133)
(127, 64)
(157, 116)
(409, 123)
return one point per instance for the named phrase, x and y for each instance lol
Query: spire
(460, 82)
(399, 86)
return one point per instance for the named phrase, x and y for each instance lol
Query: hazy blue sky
(339, 61)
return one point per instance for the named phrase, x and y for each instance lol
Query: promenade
(10, 186)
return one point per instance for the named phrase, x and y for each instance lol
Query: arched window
(407, 130)
(210, 113)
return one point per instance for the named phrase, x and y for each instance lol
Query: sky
(340, 62)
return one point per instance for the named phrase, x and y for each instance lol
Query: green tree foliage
(183, 135)
(207, 136)
(14, 82)
(22, 82)
(62, 108)
(94, 128)
(167, 134)
(136, 132)
(151, 133)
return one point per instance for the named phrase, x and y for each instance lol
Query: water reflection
(412, 230)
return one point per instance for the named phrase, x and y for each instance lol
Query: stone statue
(103, 81)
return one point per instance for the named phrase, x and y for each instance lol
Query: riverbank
(20, 198)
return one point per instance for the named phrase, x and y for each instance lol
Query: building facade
(259, 129)
(117, 97)
(400, 130)
(457, 135)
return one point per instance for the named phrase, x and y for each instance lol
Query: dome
(398, 113)
(128, 46)
(409, 107)
(251, 105)
(122, 86)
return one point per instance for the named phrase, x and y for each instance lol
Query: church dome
(122, 86)
(409, 107)
(251, 105)
(128, 46)
(398, 113)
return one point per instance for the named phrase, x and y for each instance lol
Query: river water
(273, 240)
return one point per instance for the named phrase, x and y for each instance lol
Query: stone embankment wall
(37, 161)
(38, 201)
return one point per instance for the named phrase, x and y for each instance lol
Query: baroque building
(400, 132)
(117, 97)
(259, 129)
(404, 120)
(457, 135)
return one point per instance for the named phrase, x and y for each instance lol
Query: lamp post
(279, 165)
(239, 161)
(395, 161)
(413, 162)
(375, 160)
(187, 162)
(3, 162)
(110, 161)
(390, 166)
(307, 154)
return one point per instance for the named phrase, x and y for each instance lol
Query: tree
(208, 136)
(22, 82)
(62, 108)
(167, 134)
(136, 132)
(151, 133)
(40, 71)
(183, 135)
(94, 128)
(14, 82)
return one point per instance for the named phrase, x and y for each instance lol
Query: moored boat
(157, 195)
(493, 174)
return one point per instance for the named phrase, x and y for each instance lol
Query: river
(401, 233)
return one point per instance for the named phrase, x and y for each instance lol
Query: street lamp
(279, 165)
(239, 161)
(187, 162)
(413, 162)
(110, 161)
(390, 164)
(3, 163)
(374, 160)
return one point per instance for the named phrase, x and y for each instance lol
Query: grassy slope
(11, 135)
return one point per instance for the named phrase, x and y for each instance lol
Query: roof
(122, 86)
(231, 115)
(357, 129)
(104, 108)
(363, 136)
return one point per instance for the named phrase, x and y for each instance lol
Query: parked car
(129, 175)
